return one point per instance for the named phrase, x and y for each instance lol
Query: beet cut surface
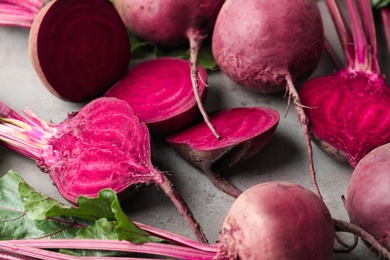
(244, 131)
(79, 48)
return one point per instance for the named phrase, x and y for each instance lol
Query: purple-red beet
(368, 197)
(244, 130)
(104, 145)
(267, 47)
(172, 23)
(160, 93)
(78, 48)
(348, 110)
(255, 226)
(274, 220)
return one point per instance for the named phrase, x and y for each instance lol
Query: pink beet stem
(370, 32)
(196, 40)
(343, 31)
(171, 191)
(385, 16)
(304, 121)
(32, 248)
(19, 13)
(176, 239)
(27, 136)
(360, 42)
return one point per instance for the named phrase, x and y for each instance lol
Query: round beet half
(160, 92)
(245, 131)
(79, 48)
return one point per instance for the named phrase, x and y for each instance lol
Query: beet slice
(244, 131)
(104, 145)
(160, 92)
(79, 48)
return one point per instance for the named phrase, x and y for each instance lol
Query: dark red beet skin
(160, 93)
(350, 111)
(79, 48)
(244, 132)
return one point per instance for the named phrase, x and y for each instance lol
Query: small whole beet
(259, 43)
(104, 145)
(368, 197)
(277, 220)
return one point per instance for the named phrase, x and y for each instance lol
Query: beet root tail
(171, 191)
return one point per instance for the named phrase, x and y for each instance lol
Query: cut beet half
(160, 92)
(79, 48)
(104, 145)
(244, 131)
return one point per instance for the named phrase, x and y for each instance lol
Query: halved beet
(79, 48)
(160, 92)
(244, 132)
(104, 145)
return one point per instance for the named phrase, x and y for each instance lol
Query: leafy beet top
(79, 48)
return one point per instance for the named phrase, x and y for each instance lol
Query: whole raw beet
(259, 42)
(277, 220)
(368, 197)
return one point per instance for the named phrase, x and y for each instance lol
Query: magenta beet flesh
(349, 110)
(244, 133)
(160, 93)
(104, 145)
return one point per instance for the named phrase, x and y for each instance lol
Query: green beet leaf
(26, 213)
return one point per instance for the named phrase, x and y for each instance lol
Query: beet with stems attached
(368, 197)
(245, 131)
(104, 145)
(160, 92)
(348, 110)
(78, 48)
(172, 23)
(267, 46)
(273, 220)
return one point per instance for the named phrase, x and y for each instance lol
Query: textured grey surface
(284, 157)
